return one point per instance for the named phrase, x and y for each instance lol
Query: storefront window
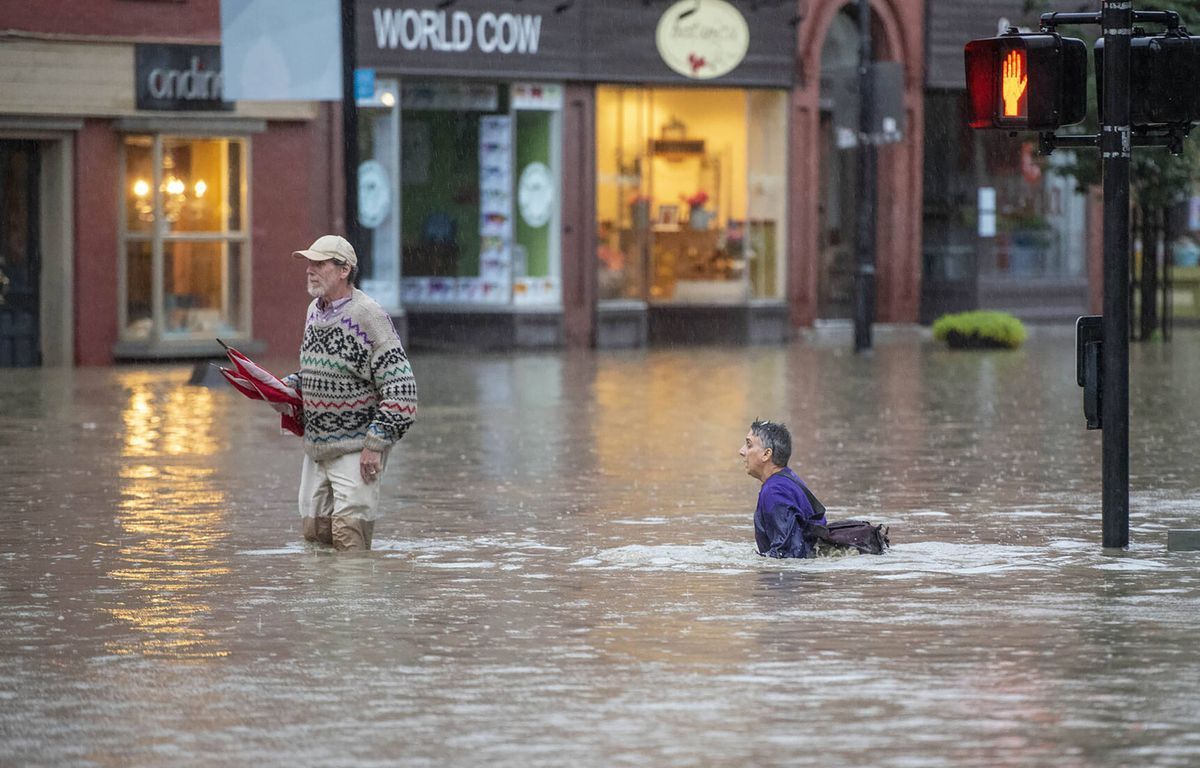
(1039, 216)
(479, 192)
(691, 194)
(185, 243)
(378, 203)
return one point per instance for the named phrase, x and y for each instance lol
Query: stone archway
(898, 35)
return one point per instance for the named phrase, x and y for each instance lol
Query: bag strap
(818, 507)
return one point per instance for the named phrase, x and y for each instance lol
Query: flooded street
(564, 571)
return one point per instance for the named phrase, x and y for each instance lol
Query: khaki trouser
(337, 507)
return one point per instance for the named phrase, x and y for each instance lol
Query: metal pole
(864, 273)
(1116, 18)
(349, 123)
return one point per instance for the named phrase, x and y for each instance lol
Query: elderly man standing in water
(784, 507)
(359, 396)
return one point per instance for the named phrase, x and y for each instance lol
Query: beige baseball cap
(328, 247)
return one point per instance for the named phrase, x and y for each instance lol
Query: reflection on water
(173, 520)
(564, 572)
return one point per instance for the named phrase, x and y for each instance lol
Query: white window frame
(159, 235)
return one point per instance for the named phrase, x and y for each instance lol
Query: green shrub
(979, 330)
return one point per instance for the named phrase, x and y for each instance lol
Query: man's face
(325, 277)
(754, 455)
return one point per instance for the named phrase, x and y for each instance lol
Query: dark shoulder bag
(852, 534)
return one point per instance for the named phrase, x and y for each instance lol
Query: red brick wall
(198, 20)
(97, 177)
(290, 189)
(290, 201)
(898, 35)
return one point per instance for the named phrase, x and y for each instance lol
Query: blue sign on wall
(364, 83)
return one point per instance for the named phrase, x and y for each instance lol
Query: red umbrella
(257, 383)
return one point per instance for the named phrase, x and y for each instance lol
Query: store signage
(179, 77)
(702, 40)
(364, 83)
(744, 43)
(456, 32)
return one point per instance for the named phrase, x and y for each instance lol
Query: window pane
(202, 288)
(456, 179)
(623, 202)
(202, 183)
(378, 201)
(536, 252)
(139, 315)
(139, 183)
(761, 242)
(671, 191)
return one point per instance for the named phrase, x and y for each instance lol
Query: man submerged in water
(784, 509)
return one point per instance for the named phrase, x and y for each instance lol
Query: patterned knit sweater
(355, 380)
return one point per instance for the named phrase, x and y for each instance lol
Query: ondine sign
(702, 39)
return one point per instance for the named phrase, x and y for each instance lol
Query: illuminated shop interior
(184, 237)
(691, 194)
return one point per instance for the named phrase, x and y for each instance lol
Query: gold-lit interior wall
(202, 168)
(766, 189)
(628, 118)
(718, 116)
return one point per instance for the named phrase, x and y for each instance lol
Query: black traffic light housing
(1164, 71)
(1032, 82)
(1089, 351)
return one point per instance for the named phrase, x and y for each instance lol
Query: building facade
(533, 173)
(1004, 228)
(143, 215)
(544, 172)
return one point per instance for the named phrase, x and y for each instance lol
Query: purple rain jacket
(781, 516)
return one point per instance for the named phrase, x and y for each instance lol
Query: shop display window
(378, 201)
(691, 194)
(184, 240)
(479, 193)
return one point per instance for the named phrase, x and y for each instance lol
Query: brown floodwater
(564, 571)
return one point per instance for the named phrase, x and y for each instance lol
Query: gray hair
(353, 270)
(774, 436)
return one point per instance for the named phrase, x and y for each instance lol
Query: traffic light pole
(864, 273)
(1116, 22)
(1000, 88)
(349, 123)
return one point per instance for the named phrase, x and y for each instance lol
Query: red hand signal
(1013, 82)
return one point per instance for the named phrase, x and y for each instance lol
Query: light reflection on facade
(172, 515)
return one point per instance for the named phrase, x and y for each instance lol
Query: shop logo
(192, 84)
(702, 39)
(175, 77)
(456, 32)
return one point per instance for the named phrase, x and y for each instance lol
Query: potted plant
(639, 210)
(980, 329)
(698, 217)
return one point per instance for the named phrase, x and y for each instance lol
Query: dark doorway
(20, 262)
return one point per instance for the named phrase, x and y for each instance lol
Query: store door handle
(4, 282)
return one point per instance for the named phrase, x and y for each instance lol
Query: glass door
(20, 262)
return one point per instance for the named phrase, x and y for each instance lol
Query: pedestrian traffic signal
(1034, 82)
(1164, 71)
